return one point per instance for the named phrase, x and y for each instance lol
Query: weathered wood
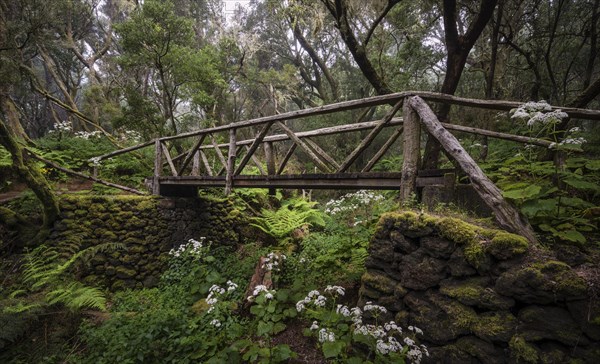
(157, 166)
(299, 142)
(124, 150)
(286, 158)
(84, 176)
(370, 137)
(340, 129)
(168, 157)
(270, 159)
(196, 164)
(382, 150)
(206, 163)
(322, 154)
(230, 162)
(411, 152)
(191, 153)
(218, 151)
(387, 99)
(499, 135)
(507, 215)
(256, 161)
(255, 144)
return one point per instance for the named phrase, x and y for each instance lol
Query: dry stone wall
(480, 295)
(147, 227)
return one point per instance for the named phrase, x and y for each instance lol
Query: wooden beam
(218, 151)
(322, 166)
(168, 157)
(322, 154)
(383, 150)
(507, 215)
(191, 153)
(84, 176)
(286, 158)
(206, 163)
(270, 160)
(367, 141)
(256, 161)
(411, 152)
(230, 162)
(157, 167)
(259, 138)
(196, 164)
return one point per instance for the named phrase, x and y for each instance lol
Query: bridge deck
(370, 180)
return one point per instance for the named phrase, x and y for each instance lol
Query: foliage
(46, 274)
(339, 328)
(293, 214)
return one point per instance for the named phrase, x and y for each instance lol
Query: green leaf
(535, 207)
(571, 235)
(593, 165)
(264, 328)
(521, 194)
(582, 185)
(332, 349)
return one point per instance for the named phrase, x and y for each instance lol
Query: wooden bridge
(219, 157)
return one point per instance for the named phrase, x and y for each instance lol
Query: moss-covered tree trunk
(27, 170)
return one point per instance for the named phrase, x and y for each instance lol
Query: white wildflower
(215, 323)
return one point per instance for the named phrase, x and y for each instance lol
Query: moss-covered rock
(550, 323)
(476, 292)
(543, 283)
(522, 351)
(505, 245)
(379, 281)
(495, 326)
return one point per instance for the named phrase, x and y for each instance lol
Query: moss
(475, 254)
(495, 326)
(460, 315)
(379, 281)
(457, 230)
(565, 280)
(147, 204)
(505, 245)
(468, 291)
(522, 350)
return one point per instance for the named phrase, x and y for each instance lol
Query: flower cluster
(63, 127)
(273, 261)
(130, 135)
(95, 161)
(215, 291)
(269, 293)
(314, 298)
(386, 339)
(352, 201)
(87, 135)
(192, 247)
(538, 113)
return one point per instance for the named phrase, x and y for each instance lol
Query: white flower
(314, 326)
(326, 335)
(343, 310)
(258, 289)
(300, 306)
(231, 286)
(215, 323)
(269, 296)
(338, 290)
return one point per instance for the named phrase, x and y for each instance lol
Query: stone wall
(481, 295)
(147, 227)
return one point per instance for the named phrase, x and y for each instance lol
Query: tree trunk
(28, 171)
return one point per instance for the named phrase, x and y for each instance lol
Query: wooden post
(230, 162)
(411, 153)
(507, 215)
(270, 158)
(157, 167)
(196, 164)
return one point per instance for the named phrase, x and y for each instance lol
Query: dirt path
(73, 185)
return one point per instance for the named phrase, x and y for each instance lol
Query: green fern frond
(77, 296)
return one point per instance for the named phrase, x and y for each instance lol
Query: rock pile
(480, 295)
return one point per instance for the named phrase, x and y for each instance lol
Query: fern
(292, 214)
(46, 273)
